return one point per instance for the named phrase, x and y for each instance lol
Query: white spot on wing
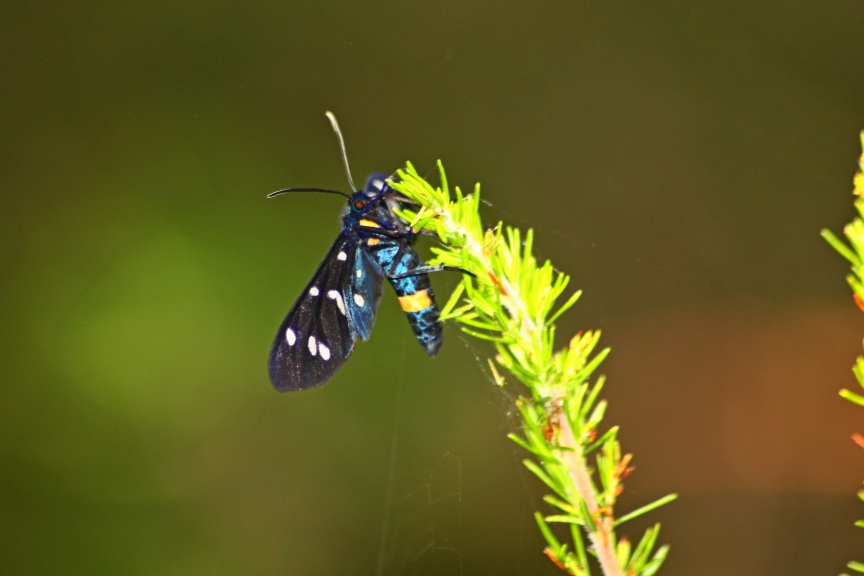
(359, 273)
(358, 299)
(341, 256)
(324, 350)
(377, 184)
(313, 291)
(334, 295)
(290, 336)
(313, 347)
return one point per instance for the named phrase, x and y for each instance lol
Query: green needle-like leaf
(647, 508)
(653, 566)
(547, 534)
(560, 504)
(602, 440)
(563, 519)
(586, 516)
(543, 477)
(623, 552)
(840, 247)
(852, 397)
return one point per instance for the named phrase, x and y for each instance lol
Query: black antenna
(326, 190)
(335, 125)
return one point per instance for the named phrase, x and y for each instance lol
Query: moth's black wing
(363, 293)
(317, 335)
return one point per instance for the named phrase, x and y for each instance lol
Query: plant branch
(603, 538)
(512, 303)
(854, 232)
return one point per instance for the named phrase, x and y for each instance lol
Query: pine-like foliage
(854, 232)
(512, 302)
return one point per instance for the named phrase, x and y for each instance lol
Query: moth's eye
(359, 205)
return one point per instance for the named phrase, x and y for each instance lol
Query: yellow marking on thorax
(415, 302)
(373, 241)
(369, 223)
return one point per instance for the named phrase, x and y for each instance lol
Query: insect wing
(363, 293)
(317, 336)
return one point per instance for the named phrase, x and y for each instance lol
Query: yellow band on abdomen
(369, 223)
(415, 302)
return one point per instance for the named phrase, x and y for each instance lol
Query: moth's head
(374, 190)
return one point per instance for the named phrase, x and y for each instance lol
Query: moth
(340, 302)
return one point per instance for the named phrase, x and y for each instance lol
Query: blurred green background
(678, 159)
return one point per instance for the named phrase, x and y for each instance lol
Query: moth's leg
(400, 253)
(396, 259)
(428, 270)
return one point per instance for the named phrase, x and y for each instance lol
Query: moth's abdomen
(415, 295)
(426, 326)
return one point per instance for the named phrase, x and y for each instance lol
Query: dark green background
(678, 159)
